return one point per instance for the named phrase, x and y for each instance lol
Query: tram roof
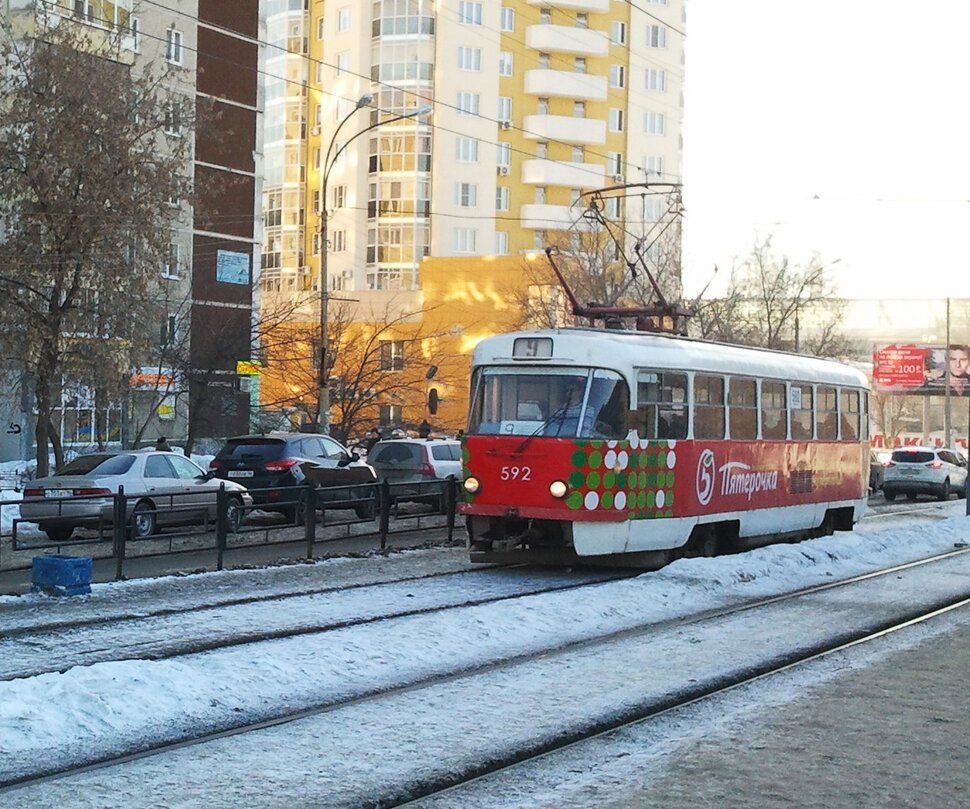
(622, 350)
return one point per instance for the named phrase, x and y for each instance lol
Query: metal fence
(322, 513)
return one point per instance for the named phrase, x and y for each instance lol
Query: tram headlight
(472, 485)
(558, 489)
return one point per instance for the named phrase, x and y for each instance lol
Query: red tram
(621, 447)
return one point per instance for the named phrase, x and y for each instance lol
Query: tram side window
(849, 409)
(743, 408)
(708, 406)
(662, 410)
(827, 414)
(801, 412)
(774, 411)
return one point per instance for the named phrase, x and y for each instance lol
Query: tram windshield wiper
(557, 416)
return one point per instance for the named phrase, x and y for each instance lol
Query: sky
(90, 710)
(838, 128)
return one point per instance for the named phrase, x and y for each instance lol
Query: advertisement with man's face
(922, 370)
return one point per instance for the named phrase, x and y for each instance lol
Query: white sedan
(162, 488)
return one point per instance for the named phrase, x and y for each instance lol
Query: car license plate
(58, 492)
(910, 471)
(240, 473)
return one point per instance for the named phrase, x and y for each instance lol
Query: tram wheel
(702, 542)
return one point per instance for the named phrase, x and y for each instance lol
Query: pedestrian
(162, 444)
(424, 429)
(372, 438)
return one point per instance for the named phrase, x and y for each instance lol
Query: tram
(604, 446)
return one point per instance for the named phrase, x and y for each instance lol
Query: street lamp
(330, 160)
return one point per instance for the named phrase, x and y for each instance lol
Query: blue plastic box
(62, 575)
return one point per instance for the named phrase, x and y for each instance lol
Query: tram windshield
(584, 403)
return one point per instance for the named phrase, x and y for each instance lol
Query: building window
(501, 243)
(618, 76)
(656, 79)
(579, 109)
(469, 58)
(612, 208)
(543, 61)
(343, 19)
(653, 165)
(508, 19)
(539, 239)
(545, 16)
(172, 125)
(339, 196)
(504, 158)
(465, 240)
(466, 150)
(656, 36)
(540, 195)
(343, 63)
(653, 123)
(392, 355)
(614, 163)
(338, 242)
(505, 108)
(502, 198)
(391, 414)
(542, 150)
(468, 103)
(320, 28)
(579, 154)
(618, 33)
(579, 64)
(316, 244)
(616, 120)
(466, 195)
(505, 64)
(469, 13)
(582, 20)
(134, 27)
(542, 106)
(170, 269)
(173, 46)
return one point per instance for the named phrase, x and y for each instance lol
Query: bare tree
(90, 159)
(893, 414)
(772, 303)
(380, 360)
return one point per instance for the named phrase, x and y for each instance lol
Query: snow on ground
(101, 706)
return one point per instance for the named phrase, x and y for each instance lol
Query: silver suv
(925, 470)
(418, 469)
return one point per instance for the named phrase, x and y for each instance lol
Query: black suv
(275, 466)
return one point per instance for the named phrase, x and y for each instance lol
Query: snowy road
(354, 755)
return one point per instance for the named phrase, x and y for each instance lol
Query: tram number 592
(516, 473)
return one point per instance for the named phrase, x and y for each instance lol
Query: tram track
(483, 669)
(97, 640)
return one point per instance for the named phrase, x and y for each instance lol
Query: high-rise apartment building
(212, 58)
(533, 104)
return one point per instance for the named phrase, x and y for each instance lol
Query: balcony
(551, 217)
(567, 39)
(565, 84)
(562, 128)
(572, 175)
(593, 6)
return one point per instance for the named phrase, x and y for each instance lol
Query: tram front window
(578, 403)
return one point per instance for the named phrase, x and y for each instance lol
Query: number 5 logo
(705, 477)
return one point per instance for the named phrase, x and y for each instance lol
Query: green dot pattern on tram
(630, 477)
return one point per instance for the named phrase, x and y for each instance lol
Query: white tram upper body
(586, 443)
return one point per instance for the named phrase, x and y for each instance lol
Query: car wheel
(58, 533)
(234, 515)
(889, 494)
(945, 490)
(142, 521)
(366, 509)
(910, 495)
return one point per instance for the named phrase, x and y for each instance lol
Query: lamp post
(329, 161)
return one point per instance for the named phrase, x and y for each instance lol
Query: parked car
(877, 472)
(925, 470)
(418, 468)
(162, 488)
(276, 468)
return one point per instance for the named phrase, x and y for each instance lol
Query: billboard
(921, 370)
